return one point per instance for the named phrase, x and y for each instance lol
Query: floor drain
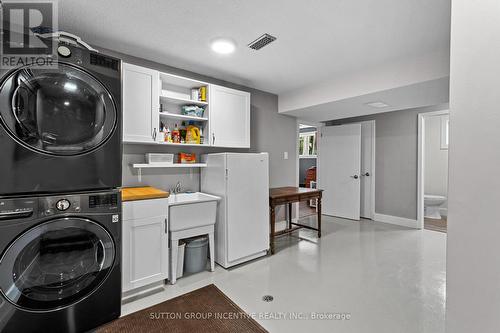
(267, 298)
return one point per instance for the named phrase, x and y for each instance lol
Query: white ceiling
(316, 39)
(422, 94)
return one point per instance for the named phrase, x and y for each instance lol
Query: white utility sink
(191, 210)
(189, 198)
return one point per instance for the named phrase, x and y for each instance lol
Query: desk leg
(289, 215)
(272, 219)
(318, 204)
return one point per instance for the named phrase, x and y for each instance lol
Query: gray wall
(270, 132)
(396, 159)
(436, 158)
(472, 265)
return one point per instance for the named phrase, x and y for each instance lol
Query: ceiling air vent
(262, 41)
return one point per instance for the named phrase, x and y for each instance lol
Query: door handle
(154, 134)
(355, 176)
(366, 174)
(213, 138)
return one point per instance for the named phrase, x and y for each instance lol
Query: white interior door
(339, 170)
(367, 168)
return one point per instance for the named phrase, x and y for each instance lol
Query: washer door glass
(56, 264)
(57, 111)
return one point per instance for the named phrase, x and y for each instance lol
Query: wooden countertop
(142, 193)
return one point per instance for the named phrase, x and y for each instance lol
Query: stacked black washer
(60, 207)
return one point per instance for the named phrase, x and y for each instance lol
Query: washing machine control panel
(103, 200)
(107, 202)
(63, 204)
(57, 205)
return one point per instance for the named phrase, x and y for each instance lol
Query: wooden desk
(287, 196)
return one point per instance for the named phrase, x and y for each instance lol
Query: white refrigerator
(242, 227)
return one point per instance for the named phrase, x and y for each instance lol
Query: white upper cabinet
(140, 103)
(152, 99)
(229, 117)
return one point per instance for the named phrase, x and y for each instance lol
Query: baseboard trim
(401, 221)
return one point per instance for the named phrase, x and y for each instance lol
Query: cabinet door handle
(154, 134)
(166, 225)
(213, 138)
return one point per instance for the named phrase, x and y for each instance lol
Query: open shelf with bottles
(152, 99)
(182, 117)
(177, 92)
(170, 99)
(183, 144)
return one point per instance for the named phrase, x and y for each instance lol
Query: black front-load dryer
(60, 259)
(60, 126)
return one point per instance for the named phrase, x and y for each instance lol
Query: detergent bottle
(193, 134)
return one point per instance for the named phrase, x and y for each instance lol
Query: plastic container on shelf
(192, 110)
(152, 158)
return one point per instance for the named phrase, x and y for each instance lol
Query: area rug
(204, 310)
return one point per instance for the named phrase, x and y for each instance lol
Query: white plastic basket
(159, 158)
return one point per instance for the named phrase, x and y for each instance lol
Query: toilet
(432, 204)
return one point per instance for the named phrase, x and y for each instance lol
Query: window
(307, 144)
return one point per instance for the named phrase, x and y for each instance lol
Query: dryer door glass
(57, 111)
(56, 264)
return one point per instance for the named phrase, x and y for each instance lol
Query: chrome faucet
(176, 189)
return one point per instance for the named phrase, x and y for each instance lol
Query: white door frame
(318, 158)
(373, 175)
(421, 162)
(297, 159)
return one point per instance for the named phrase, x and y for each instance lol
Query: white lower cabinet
(145, 243)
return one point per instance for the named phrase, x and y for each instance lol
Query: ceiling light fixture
(377, 104)
(223, 46)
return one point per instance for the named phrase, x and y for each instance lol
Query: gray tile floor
(386, 278)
